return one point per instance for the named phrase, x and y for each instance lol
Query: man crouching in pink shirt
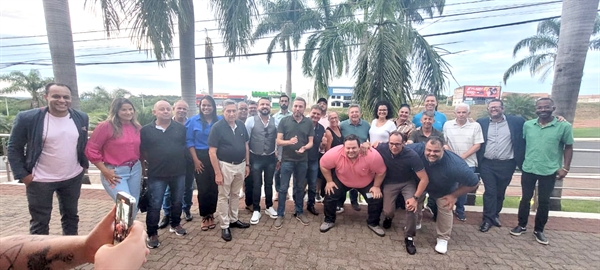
(364, 173)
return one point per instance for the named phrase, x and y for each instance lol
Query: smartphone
(123, 216)
(369, 195)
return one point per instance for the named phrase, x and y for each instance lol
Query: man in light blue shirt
(439, 118)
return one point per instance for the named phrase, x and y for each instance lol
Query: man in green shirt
(547, 142)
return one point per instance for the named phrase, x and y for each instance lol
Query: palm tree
(208, 54)
(575, 32)
(543, 48)
(394, 56)
(32, 83)
(60, 40)
(187, 53)
(99, 98)
(289, 19)
(522, 105)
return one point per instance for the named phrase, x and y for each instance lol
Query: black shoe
(312, 210)
(484, 227)
(164, 222)
(518, 230)
(355, 206)
(540, 238)
(496, 222)
(410, 246)
(239, 224)
(226, 234)
(387, 223)
(188, 216)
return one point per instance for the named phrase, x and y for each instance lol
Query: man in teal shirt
(547, 142)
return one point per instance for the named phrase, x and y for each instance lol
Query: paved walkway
(574, 243)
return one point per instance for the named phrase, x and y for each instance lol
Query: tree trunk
(576, 25)
(288, 81)
(60, 40)
(187, 62)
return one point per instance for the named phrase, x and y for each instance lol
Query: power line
(295, 50)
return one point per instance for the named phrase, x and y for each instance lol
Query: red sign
(482, 91)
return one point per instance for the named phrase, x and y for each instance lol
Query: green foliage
(31, 83)
(343, 116)
(145, 116)
(523, 105)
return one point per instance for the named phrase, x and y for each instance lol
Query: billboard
(482, 91)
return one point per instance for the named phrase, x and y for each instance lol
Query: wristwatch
(416, 197)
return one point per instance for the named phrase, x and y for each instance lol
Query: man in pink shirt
(363, 173)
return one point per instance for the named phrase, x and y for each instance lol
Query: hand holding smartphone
(125, 204)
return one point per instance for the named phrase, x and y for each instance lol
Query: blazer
(25, 143)
(515, 125)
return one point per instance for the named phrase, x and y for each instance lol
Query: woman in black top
(333, 132)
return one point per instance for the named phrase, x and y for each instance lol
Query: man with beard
(262, 130)
(252, 108)
(324, 121)
(295, 136)
(313, 158)
(284, 102)
(547, 141)
(449, 178)
(180, 108)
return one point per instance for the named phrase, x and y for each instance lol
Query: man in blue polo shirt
(431, 106)
(449, 178)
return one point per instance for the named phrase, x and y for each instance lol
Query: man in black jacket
(46, 152)
(503, 149)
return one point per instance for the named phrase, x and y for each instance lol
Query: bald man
(163, 147)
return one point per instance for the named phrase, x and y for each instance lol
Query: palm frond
(430, 68)
(533, 61)
(153, 26)
(235, 18)
(549, 27)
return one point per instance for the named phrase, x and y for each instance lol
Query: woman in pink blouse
(114, 148)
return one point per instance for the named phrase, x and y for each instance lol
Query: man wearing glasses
(262, 130)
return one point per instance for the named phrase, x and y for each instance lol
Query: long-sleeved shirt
(104, 147)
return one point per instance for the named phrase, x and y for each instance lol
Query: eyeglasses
(495, 108)
(396, 144)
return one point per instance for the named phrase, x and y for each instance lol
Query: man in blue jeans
(180, 110)
(295, 135)
(163, 147)
(313, 158)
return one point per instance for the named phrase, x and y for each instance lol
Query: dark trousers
(188, 191)
(207, 188)
(353, 198)
(374, 209)
(156, 189)
(262, 165)
(311, 180)
(496, 176)
(248, 190)
(39, 199)
(545, 187)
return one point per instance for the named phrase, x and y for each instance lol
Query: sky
(480, 58)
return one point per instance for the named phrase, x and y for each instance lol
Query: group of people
(391, 162)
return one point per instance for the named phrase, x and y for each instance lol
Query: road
(586, 161)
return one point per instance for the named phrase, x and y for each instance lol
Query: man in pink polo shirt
(363, 173)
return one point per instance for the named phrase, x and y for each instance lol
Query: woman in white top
(381, 126)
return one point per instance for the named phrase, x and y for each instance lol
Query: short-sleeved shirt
(289, 127)
(357, 174)
(545, 146)
(164, 150)
(417, 136)
(445, 174)
(230, 142)
(462, 138)
(405, 128)
(197, 132)
(382, 133)
(313, 153)
(400, 167)
(361, 129)
(280, 115)
(439, 119)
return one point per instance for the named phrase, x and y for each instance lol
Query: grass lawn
(592, 132)
(567, 205)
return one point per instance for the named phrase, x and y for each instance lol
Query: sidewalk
(574, 243)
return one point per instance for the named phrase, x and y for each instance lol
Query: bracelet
(563, 168)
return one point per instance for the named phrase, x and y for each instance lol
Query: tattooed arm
(66, 252)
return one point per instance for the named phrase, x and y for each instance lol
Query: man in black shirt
(295, 135)
(402, 163)
(163, 148)
(313, 158)
(229, 156)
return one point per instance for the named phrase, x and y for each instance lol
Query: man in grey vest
(262, 130)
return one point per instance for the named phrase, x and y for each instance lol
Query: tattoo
(32, 238)
(10, 255)
(40, 259)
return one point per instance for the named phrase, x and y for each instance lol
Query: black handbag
(144, 196)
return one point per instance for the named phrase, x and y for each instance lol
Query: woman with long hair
(114, 148)
(198, 128)
(403, 124)
(381, 126)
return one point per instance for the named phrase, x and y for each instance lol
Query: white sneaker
(442, 246)
(419, 226)
(255, 218)
(242, 194)
(271, 212)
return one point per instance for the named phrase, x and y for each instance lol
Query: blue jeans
(298, 169)
(260, 165)
(188, 191)
(131, 180)
(156, 189)
(311, 179)
(460, 203)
